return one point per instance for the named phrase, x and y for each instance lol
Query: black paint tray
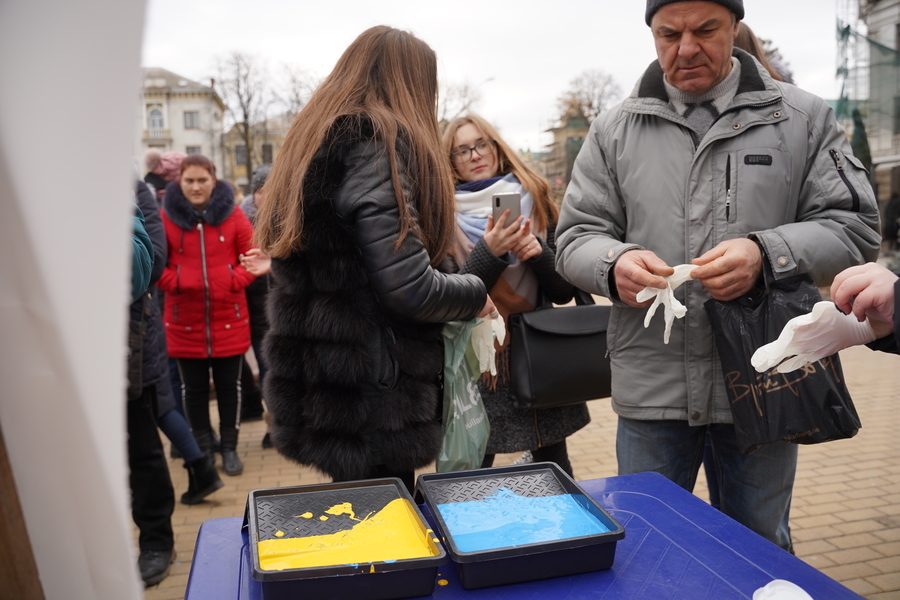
(279, 510)
(529, 562)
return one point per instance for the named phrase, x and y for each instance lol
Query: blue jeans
(755, 489)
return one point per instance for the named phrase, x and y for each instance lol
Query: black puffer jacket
(354, 346)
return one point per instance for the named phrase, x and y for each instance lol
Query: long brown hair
(389, 76)
(748, 42)
(545, 211)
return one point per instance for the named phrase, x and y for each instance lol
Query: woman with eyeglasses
(515, 258)
(359, 220)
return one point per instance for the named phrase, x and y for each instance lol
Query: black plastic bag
(808, 406)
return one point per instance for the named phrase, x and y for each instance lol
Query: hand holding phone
(503, 237)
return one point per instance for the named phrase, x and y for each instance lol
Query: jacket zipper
(205, 288)
(836, 157)
(728, 189)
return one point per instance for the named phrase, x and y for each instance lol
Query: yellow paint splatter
(323, 518)
(394, 533)
(443, 582)
(279, 534)
(344, 508)
(306, 515)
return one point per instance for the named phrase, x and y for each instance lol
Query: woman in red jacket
(205, 318)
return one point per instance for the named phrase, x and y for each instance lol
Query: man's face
(693, 43)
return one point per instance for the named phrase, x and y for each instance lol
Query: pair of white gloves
(804, 339)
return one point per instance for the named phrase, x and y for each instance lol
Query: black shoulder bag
(557, 355)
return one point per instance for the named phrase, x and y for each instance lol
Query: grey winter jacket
(776, 167)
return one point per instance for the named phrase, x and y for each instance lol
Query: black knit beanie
(735, 6)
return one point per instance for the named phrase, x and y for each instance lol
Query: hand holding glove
(666, 297)
(811, 337)
(482, 340)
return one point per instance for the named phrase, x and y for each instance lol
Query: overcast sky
(520, 54)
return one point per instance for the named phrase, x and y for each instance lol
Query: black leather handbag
(557, 355)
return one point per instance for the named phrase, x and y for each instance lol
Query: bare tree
(457, 99)
(297, 86)
(243, 85)
(593, 91)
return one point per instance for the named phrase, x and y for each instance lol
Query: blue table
(676, 547)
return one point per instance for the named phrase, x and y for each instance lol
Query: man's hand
(730, 269)
(867, 291)
(637, 269)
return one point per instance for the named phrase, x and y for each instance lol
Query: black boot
(202, 481)
(154, 565)
(231, 464)
(206, 443)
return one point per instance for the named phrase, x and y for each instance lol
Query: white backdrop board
(70, 78)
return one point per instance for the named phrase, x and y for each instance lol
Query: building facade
(179, 114)
(266, 139)
(555, 164)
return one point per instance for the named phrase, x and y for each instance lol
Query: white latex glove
(482, 340)
(779, 589)
(810, 337)
(666, 297)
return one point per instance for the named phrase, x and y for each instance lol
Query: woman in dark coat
(517, 262)
(358, 220)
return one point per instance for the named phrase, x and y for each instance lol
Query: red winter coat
(206, 309)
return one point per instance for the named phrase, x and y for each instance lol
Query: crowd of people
(371, 230)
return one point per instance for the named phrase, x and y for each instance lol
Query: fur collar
(183, 214)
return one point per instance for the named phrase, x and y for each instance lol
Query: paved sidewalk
(846, 508)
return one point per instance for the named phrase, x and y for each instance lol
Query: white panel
(70, 73)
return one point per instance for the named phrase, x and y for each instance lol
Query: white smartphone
(507, 200)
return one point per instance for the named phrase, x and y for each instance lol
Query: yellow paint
(306, 515)
(345, 508)
(279, 534)
(394, 533)
(323, 518)
(443, 582)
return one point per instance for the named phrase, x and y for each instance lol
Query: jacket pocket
(838, 158)
(385, 366)
(760, 189)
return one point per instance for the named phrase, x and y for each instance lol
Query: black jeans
(152, 495)
(226, 373)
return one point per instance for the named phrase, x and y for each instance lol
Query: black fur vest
(349, 388)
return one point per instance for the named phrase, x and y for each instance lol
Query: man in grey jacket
(709, 161)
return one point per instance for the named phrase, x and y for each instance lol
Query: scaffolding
(869, 74)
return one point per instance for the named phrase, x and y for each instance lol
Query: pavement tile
(889, 582)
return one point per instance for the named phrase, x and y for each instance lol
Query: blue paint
(506, 519)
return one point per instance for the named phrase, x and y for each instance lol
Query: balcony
(159, 135)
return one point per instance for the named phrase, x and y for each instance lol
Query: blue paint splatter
(507, 519)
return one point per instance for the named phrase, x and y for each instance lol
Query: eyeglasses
(463, 155)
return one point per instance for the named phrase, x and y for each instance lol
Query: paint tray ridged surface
(520, 523)
(364, 540)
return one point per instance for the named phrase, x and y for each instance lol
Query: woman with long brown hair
(517, 262)
(359, 220)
